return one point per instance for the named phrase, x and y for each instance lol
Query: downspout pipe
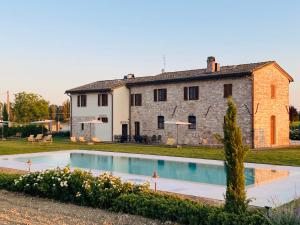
(71, 116)
(112, 115)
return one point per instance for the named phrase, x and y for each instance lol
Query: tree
(29, 107)
(5, 118)
(235, 153)
(53, 111)
(293, 114)
(66, 110)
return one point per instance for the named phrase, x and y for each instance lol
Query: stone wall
(209, 110)
(265, 106)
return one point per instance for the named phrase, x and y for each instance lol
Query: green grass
(284, 156)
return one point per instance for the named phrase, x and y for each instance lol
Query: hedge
(109, 192)
(26, 130)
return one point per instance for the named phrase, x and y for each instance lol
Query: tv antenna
(164, 64)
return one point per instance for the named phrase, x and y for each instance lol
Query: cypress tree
(5, 118)
(235, 153)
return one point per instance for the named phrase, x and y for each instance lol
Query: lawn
(284, 156)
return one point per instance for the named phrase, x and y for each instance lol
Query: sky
(49, 46)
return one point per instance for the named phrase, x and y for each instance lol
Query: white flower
(53, 185)
(78, 194)
(64, 183)
(27, 185)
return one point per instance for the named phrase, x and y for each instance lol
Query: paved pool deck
(271, 194)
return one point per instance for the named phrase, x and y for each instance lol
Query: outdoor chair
(171, 142)
(18, 135)
(39, 137)
(48, 139)
(31, 139)
(96, 140)
(82, 140)
(73, 139)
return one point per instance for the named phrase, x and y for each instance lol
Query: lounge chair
(171, 142)
(39, 137)
(73, 139)
(82, 140)
(96, 140)
(47, 139)
(31, 139)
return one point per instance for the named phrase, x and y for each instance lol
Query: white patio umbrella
(177, 123)
(42, 122)
(91, 122)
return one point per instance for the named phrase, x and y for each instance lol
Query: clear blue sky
(52, 45)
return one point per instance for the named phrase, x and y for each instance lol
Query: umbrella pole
(177, 134)
(90, 131)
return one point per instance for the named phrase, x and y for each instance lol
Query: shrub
(7, 180)
(172, 208)
(295, 133)
(285, 215)
(109, 192)
(26, 130)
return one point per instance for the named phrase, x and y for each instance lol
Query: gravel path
(19, 209)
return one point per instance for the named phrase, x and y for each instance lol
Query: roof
(99, 86)
(200, 74)
(178, 76)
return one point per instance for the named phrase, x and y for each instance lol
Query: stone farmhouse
(138, 106)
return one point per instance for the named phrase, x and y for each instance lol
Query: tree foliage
(52, 112)
(293, 114)
(235, 153)
(65, 110)
(30, 107)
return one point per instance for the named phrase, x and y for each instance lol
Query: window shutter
(155, 95)
(132, 100)
(104, 100)
(99, 103)
(185, 93)
(78, 100)
(227, 90)
(196, 93)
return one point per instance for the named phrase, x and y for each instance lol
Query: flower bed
(109, 192)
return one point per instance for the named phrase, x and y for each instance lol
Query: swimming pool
(188, 171)
(196, 177)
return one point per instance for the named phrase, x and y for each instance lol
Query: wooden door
(273, 130)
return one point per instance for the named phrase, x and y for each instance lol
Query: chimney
(211, 63)
(129, 76)
(212, 66)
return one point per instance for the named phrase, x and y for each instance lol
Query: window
(102, 100)
(161, 122)
(191, 93)
(160, 95)
(273, 91)
(81, 100)
(104, 119)
(136, 100)
(192, 121)
(227, 90)
(82, 126)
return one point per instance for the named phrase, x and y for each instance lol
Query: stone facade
(209, 110)
(265, 106)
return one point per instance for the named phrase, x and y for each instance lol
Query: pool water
(187, 171)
